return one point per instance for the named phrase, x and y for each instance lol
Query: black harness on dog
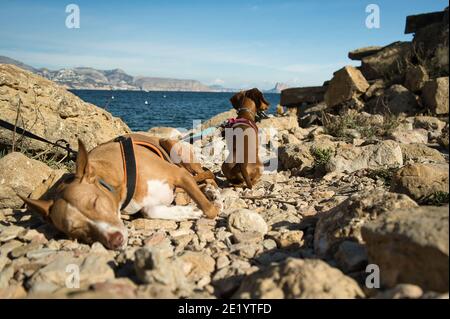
(129, 163)
(129, 166)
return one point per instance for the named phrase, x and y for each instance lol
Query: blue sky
(233, 43)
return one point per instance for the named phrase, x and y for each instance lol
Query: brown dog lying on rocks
(88, 206)
(243, 164)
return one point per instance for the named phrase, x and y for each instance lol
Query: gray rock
(420, 181)
(299, 278)
(344, 221)
(435, 95)
(232, 201)
(222, 262)
(411, 246)
(351, 256)
(396, 100)
(3, 261)
(349, 158)
(295, 156)
(20, 175)
(281, 123)
(431, 43)
(23, 250)
(295, 97)
(92, 269)
(5, 275)
(40, 253)
(376, 89)
(153, 267)
(9, 246)
(246, 221)
(421, 153)
(8, 233)
(432, 124)
(361, 53)
(401, 291)
(390, 62)
(415, 78)
(347, 83)
(403, 136)
(197, 265)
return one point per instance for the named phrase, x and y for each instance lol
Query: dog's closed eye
(94, 202)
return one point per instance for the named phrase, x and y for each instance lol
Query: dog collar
(232, 122)
(244, 109)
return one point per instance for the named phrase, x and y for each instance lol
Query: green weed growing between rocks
(321, 157)
(345, 126)
(383, 174)
(436, 199)
(48, 157)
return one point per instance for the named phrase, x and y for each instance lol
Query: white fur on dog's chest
(157, 203)
(158, 193)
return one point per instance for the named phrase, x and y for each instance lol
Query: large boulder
(295, 97)
(433, 125)
(20, 175)
(411, 246)
(421, 153)
(415, 78)
(420, 181)
(396, 100)
(281, 123)
(429, 123)
(347, 83)
(93, 268)
(351, 158)
(245, 224)
(299, 278)
(361, 53)
(198, 266)
(435, 95)
(295, 156)
(343, 222)
(404, 135)
(219, 118)
(156, 267)
(50, 111)
(388, 63)
(443, 139)
(431, 45)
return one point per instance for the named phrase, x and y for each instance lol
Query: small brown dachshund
(243, 164)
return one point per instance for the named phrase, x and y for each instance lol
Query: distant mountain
(6, 60)
(278, 88)
(166, 84)
(220, 88)
(89, 78)
(93, 79)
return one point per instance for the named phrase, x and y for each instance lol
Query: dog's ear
(83, 168)
(257, 97)
(237, 100)
(38, 205)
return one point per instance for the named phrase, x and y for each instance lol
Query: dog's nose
(115, 240)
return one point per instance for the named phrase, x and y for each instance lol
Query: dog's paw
(213, 194)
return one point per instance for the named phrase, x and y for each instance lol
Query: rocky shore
(362, 186)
